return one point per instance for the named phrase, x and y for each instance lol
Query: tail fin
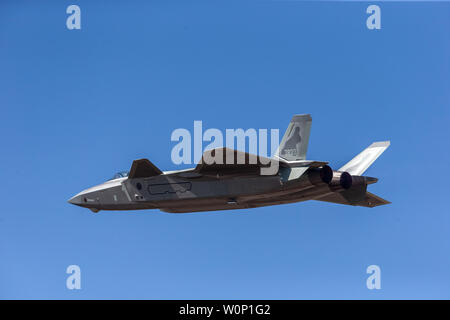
(364, 160)
(294, 144)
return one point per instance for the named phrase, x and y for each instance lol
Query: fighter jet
(217, 183)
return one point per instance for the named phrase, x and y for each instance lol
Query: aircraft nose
(77, 200)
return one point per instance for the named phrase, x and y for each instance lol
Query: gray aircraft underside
(223, 186)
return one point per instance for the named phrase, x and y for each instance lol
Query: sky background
(79, 105)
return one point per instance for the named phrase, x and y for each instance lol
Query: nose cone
(89, 198)
(76, 200)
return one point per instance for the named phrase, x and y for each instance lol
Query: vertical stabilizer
(294, 144)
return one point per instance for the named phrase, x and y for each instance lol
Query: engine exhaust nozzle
(346, 180)
(320, 175)
(326, 174)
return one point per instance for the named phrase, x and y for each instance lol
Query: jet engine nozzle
(337, 180)
(326, 174)
(320, 175)
(340, 180)
(346, 180)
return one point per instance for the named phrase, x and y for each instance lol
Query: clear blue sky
(78, 106)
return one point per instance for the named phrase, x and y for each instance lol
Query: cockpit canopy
(121, 174)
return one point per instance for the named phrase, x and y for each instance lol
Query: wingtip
(381, 144)
(296, 117)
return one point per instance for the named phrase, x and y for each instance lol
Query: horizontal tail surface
(359, 164)
(369, 200)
